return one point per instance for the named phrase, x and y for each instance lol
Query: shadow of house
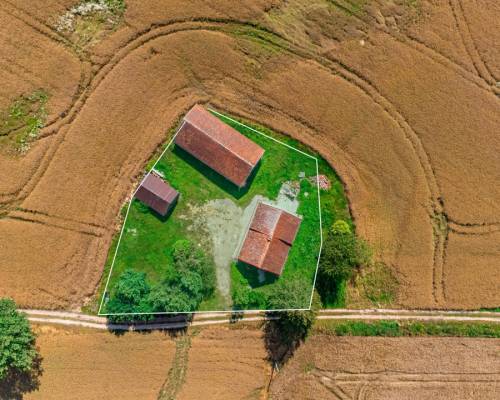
(147, 210)
(255, 277)
(213, 176)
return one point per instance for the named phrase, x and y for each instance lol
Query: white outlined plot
(318, 230)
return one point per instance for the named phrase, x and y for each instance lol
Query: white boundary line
(126, 216)
(224, 311)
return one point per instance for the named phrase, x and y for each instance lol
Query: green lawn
(147, 238)
(407, 328)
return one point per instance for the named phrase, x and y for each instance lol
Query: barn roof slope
(156, 193)
(218, 145)
(269, 238)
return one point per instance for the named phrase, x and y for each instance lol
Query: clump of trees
(189, 280)
(342, 254)
(18, 353)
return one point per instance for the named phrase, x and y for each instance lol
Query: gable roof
(156, 193)
(218, 145)
(269, 238)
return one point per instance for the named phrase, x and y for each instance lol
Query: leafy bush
(181, 292)
(244, 298)
(188, 258)
(184, 285)
(129, 296)
(17, 341)
(342, 253)
(291, 293)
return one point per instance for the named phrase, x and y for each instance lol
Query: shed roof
(218, 145)
(156, 193)
(269, 238)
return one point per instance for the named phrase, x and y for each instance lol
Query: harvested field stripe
(53, 225)
(430, 52)
(482, 69)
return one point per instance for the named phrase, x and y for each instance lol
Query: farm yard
(211, 218)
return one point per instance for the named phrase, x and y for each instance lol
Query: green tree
(181, 292)
(189, 258)
(130, 296)
(342, 253)
(17, 341)
(244, 298)
(289, 293)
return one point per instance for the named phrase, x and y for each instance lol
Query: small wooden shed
(157, 194)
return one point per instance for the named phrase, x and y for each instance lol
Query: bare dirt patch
(390, 368)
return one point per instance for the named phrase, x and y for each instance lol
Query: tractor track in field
(420, 46)
(331, 64)
(203, 319)
(91, 80)
(480, 65)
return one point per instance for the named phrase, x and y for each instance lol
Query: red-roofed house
(219, 146)
(269, 238)
(157, 194)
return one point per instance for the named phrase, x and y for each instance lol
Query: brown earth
(226, 363)
(220, 363)
(390, 368)
(402, 100)
(87, 364)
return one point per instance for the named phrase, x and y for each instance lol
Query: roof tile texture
(269, 238)
(219, 146)
(157, 194)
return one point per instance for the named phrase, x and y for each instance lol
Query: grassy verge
(20, 124)
(406, 328)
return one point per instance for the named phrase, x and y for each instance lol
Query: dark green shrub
(130, 296)
(17, 341)
(342, 252)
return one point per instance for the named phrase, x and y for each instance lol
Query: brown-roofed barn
(269, 238)
(219, 146)
(157, 194)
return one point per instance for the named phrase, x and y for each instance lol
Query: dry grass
(390, 368)
(81, 364)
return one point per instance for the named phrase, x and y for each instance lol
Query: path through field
(87, 321)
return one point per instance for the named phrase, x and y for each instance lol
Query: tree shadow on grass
(214, 176)
(18, 383)
(148, 210)
(254, 276)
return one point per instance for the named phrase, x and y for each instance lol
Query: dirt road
(88, 321)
